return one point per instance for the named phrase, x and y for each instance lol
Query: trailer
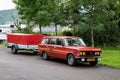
(20, 41)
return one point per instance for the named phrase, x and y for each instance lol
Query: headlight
(82, 53)
(97, 53)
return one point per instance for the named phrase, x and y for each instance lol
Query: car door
(51, 46)
(58, 49)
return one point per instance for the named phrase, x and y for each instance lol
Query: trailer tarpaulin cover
(26, 39)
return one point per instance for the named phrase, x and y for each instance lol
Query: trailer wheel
(35, 52)
(14, 50)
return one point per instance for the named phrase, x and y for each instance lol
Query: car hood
(84, 48)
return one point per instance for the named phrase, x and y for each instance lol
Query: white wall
(5, 29)
(3, 37)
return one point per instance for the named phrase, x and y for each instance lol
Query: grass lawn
(111, 58)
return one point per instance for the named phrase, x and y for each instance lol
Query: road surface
(25, 66)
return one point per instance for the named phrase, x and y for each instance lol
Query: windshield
(74, 42)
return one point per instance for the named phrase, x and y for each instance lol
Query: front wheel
(93, 63)
(71, 60)
(44, 55)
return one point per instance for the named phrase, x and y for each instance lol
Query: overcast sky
(6, 5)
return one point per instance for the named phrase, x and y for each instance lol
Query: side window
(44, 41)
(59, 41)
(11, 26)
(52, 41)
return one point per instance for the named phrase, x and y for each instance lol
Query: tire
(93, 63)
(35, 52)
(44, 56)
(71, 60)
(14, 50)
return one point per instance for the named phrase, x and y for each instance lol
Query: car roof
(61, 37)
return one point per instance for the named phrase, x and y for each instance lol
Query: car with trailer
(69, 48)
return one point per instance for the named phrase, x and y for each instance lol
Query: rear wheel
(71, 60)
(93, 63)
(44, 55)
(14, 50)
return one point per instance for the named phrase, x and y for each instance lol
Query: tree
(17, 22)
(37, 11)
(26, 11)
(72, 12)
(111, 26)
(94, 14)
(42, 14)
(57, 14)
(101, 21)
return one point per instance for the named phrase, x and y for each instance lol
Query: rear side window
(59, 41)
(52, 41)
(44, 41)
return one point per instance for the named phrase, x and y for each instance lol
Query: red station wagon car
(72, 49)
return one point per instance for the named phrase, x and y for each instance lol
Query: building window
(11, 26)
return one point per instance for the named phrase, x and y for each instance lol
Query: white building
(4, 30)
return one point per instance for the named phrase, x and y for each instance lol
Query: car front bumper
(88, 59)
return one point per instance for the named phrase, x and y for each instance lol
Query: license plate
(91, 59)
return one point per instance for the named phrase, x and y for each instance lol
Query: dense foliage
(96, 21)
(102, 24)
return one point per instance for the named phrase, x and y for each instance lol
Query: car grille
(90, 53)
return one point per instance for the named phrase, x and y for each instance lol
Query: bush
(103, 36)
(84, 33)
(4, 43)
(67, 33)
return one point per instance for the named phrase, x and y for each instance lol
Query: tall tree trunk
(40, 29)
(73, 30)
(92, 36)
(92, 25)
(28, 24)
(17, 24)
(56, 29)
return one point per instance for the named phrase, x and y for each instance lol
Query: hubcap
(70, 60)
(44, 55)
(13, 50)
